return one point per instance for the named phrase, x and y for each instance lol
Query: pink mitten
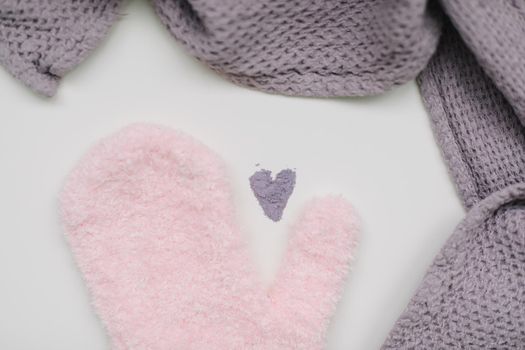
(149, 216)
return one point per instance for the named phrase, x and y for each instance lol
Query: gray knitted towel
(469, 56)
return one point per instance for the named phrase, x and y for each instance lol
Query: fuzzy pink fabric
(149, 217)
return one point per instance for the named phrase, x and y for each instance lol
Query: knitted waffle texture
(41, 40)
(313, 47)
(473, 295)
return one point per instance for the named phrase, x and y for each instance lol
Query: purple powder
(271, 194)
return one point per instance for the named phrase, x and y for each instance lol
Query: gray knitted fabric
(303, 47)
(471, 56)
(473, 296)
(40, 41)
(307, 47)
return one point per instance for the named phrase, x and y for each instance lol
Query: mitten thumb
(311, 279)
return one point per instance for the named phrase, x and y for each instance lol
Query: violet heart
(273, 194)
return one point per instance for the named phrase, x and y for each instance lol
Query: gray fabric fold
(473, 296)
(494, 30)
(308, 47)
(40, 41)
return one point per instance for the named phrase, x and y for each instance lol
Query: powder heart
(271, 194)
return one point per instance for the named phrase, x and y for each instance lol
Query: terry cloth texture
(150, 219)
(473, 296)
(302, 47)
(470, 58)
(40, 41)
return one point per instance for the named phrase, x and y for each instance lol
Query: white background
(379, 152)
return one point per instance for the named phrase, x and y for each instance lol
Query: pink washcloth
(149, 217)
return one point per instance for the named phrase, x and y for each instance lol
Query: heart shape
(273, 194)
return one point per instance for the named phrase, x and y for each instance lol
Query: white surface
(379, 152)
